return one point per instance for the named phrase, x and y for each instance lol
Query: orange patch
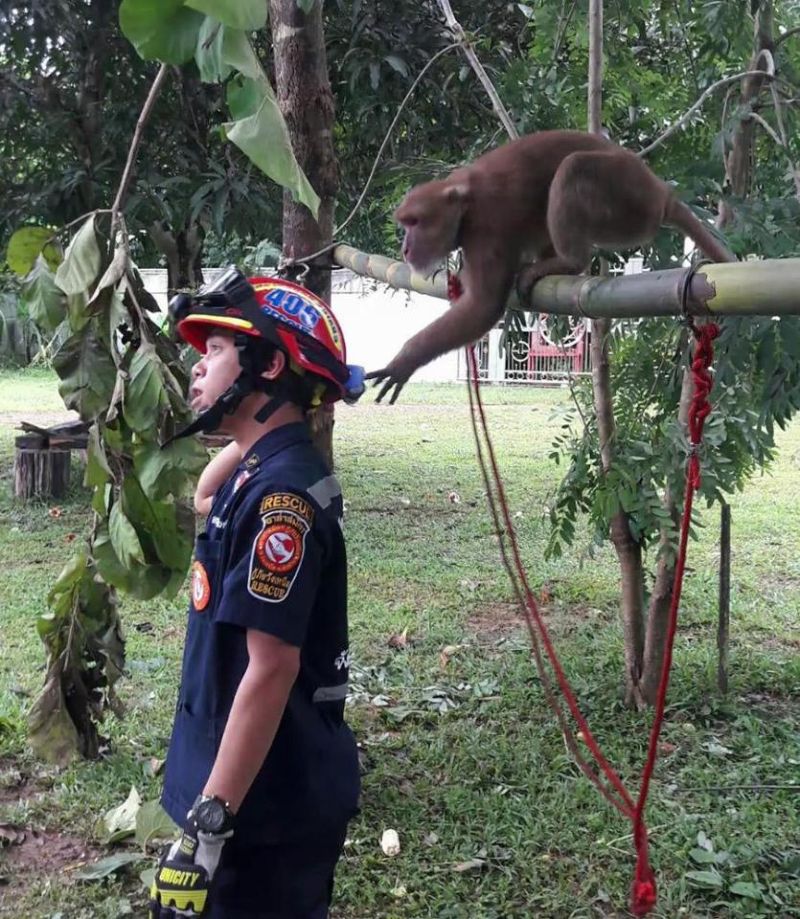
(201, 588)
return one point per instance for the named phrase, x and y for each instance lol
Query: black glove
(186, 868)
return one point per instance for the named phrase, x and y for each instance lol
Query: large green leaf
(82, 261)
(87, 373)
(144, 395)
(120, 822)
(153, 822)
(164, 30)
(44, 300)
(124, 538)
(25, 247)
(159, 520)
(141, 581)
(98, 471)
(208, 56)
(249, 15)
(264, 138)
(108, 866)
(168, 470)
(238, 52)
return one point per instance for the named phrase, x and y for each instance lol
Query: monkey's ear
(457, 192)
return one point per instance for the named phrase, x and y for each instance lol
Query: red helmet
(278, 311)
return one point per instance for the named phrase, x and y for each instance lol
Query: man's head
(265, 336)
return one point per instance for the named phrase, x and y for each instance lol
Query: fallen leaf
(665, 748)
(390, 843)
(399, 641)
(70, 537)
(55, 512)
(399, 891)
(430, 839)
(472, 864)
(454, 497)
(446, 653)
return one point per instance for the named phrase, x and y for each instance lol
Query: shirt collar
(274, 441)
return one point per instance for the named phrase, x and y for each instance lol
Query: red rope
(643, 891)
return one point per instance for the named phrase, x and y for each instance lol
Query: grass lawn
(461, 754)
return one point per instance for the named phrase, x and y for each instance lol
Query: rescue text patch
(286, 501)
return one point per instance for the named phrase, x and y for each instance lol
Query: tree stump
(41, 470)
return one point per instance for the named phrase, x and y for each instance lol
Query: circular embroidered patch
(279, 548)
(201, 589)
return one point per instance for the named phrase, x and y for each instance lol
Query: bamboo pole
(754, 288)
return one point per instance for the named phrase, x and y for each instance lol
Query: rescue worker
(262, 771)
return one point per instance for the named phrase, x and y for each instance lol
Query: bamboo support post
(723, 624)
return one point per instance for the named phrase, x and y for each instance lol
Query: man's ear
(276, 365)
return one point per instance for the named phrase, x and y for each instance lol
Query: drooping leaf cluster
(123, 376)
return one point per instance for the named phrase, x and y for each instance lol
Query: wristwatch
(211, 815)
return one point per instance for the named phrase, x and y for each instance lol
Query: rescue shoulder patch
(278, 549)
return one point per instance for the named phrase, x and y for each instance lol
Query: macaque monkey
(550, 196)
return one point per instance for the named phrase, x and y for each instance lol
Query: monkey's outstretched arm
(471, 317)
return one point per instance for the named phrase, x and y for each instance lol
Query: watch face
(210, 815)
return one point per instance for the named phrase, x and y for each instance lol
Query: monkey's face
(431, 216)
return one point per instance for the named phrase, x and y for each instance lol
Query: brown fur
(550, 196)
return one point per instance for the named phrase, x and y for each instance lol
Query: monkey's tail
(680, 215)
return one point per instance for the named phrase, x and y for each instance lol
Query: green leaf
(168, 470)
(87, 373)
(306, 5)
(44, 300)
(144, 395)
(82, 261)
(126, 543)
(153, 822)
(397, 63)
(746, 889)
(120, 822)
(243, 97)
(264, 138)
(108, 866)
(98, 472)
(164, 30)
(70, 576)
(208, 55)
(159, 520)
(249, 15)
(712, 879)
(238, 52)
(25, 247)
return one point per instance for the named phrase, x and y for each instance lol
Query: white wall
(376, 319)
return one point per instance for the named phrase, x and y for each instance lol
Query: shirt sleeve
(273, 571)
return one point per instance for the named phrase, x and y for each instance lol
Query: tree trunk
(629, 551)
(305, 97)
(40, 471)
(183, 251)
(661, 597)
(739, 170)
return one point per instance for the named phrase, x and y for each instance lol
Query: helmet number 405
(294, 305)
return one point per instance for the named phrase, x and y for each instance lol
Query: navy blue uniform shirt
(272, 558)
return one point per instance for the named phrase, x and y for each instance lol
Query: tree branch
(782, 38)
(707, 92)
(147, 108)
(469, 53)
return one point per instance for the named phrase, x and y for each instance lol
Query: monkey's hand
(394, 375)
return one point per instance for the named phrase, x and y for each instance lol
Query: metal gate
(531, 355)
